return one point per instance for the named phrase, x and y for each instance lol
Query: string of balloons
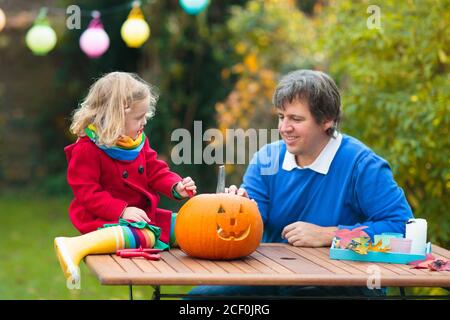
(94, 41)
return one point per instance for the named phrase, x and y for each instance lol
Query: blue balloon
(194, 6)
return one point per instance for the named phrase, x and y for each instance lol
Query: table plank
(440, 251)
(322, 262)
(270, 263)
(228, 267)
(345, 263)
(397, 269)
(338, 263)
(419, 272)
(127, 264)
(241, 264)
(189, 262)
(265, 279)
(291, 261)
(259, 266)
(145, 266)
(162, 266)
(174, 263)
(102, 264)
(211, 266)
(108, 270)
(265, 266)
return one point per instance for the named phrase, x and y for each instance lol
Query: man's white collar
(323, 161)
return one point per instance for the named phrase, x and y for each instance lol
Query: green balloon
(41, 39)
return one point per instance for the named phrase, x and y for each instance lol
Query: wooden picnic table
(270, 264)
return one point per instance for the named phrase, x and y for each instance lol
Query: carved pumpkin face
(218, 226)
(232, 225)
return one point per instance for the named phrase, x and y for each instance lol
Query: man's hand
(135, 214)
(303, 234)
(186, 185)
(234, 190)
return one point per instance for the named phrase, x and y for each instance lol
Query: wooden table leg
(156, 293)
(402, 292)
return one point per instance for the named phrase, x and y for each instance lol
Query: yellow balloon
(135, 32)
(2, 19)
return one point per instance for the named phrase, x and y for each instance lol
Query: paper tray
(371, 256)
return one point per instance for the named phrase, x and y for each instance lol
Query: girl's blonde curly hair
(105, 104)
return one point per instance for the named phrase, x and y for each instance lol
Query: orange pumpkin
(219, 226)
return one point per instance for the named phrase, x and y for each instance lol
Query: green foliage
(396, 94)
(184, 60)
(276, 31)
(265, 37)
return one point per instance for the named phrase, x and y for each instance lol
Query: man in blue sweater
(316, 179)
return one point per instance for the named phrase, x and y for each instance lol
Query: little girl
(115, 175)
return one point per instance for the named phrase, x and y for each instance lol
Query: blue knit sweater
(358, 189)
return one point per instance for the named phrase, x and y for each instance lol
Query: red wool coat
(104, 187)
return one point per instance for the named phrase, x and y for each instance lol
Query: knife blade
(221, 180)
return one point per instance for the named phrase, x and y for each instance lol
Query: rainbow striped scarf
(125, 149)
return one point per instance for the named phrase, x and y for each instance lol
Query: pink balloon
(94, 41)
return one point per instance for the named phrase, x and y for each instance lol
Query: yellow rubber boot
(70, 251)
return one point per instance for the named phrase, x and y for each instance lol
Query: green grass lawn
(29, 268)
(28, 265)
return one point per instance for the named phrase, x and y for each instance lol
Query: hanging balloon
(194, 6)
(135, 31)
(94, 41)
(2, 19)
(41, 38)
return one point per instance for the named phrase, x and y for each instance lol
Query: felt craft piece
(431, 263)
(378, 247)
(358, 241)
(345, 235)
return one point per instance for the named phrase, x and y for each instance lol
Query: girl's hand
(135, 214)
(185, 186)
(234, 190)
